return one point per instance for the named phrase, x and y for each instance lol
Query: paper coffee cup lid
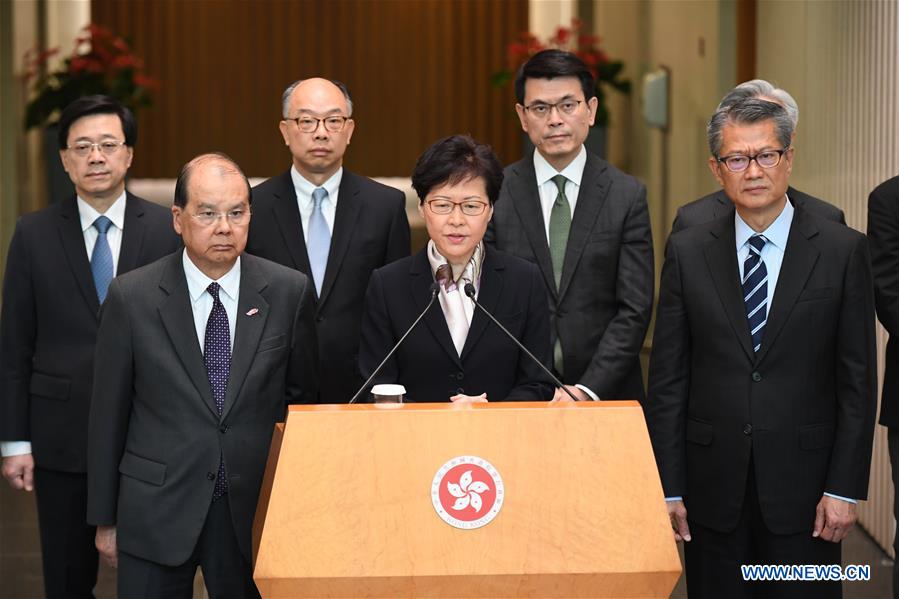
(388, 390)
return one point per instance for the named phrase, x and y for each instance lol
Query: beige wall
(840, 60)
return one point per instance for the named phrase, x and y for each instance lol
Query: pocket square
(252, 311)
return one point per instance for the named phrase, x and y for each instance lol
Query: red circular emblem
(467, 492)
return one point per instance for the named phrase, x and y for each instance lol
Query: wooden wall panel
(417, 70)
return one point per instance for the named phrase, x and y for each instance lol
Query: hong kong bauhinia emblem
(467, 492)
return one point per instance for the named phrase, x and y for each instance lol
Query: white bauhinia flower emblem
(467, 492)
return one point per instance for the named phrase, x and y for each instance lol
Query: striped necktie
(755, 290)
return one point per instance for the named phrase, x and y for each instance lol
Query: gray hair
(747, 112)
(759, 88)
(222, 163)
(285, 97)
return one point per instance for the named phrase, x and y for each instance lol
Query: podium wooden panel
(346, 506)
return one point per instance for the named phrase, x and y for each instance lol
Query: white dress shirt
(201, 301)
(545, 172)
(304, 188)
(87, 214)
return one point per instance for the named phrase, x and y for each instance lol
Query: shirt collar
(574, 172)
(304, 188)
(197, 281)
(115, 213)
(776, 233)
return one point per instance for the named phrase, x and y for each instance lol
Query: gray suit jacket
(715, 205)
(602, 309)
(155, 435)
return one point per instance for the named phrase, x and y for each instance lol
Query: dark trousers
(68, 554)
(226, 571)
(713, 558)
(893, 444)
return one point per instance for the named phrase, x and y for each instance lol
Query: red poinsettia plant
(606, 72)
(101, 63)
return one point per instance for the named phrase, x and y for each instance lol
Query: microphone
(470, 292)
(435, 287)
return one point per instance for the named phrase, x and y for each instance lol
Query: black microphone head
(435, 287)
(469, 290)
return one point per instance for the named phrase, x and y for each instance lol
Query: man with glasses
(762, 379)
(717, 204)
(59, 266)
(586, 225)
(204, 349)
(333, 225)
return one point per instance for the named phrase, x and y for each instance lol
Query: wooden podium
(347, 509)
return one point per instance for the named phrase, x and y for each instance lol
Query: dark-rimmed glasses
(468, 208)
(307, 124)
(737, 163)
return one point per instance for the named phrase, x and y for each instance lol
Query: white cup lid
(385, 389)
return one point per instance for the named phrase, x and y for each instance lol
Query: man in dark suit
(199, 352)
(883, 234)
(717, 204)
(586, 225)
(59, 266)
(331, 224)
(761, 403)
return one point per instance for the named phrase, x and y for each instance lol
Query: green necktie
(559, 225)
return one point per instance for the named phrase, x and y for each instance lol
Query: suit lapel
(721, 256)
(799, 260)
(176, 313)
(421, 279)
(132, 235)
(723, 206)
(488, 296)
(526, 199)
(247, 331)
(287, 215)
(72, 238)
(344, 227)
(591, 198)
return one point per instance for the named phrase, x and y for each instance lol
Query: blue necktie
(101, 258)
(217, 358)
(318, 241)
(755, 290)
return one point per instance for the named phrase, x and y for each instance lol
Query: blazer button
(756, 376)
(224, 429)
(460, 376)
(747, 429)
(460, 390)
(319, 318)
(210, 475)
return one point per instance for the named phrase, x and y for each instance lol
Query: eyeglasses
(737, 163)
(446, 207)
(541, 110)
(108, 147)
(207, 218)
(308, 124)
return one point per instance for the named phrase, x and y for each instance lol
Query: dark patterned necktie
(755, 290)
(217, 358)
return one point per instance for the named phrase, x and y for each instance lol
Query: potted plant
(100, 63)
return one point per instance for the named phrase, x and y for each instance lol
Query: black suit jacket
(49, 323)
(370, 230)
(155, 433)
(883, 235)
(715, 205)
(802, 408)
(427, 363)
(602, 309)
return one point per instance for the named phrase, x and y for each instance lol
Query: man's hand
(834, 518)
(677, 513)
(19, 471)
(560, 394)
(461, 398)
(106, 545)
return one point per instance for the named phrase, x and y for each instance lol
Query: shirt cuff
(674, 498)
(592, 395)
(11, 448)
(846, 499)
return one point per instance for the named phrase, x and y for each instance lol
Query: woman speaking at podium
(456, 353)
